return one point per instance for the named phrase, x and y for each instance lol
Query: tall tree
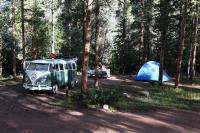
(194, 42)
(182, 39)
(87, 35)
(14, 37)
(53, 29)
(23, 35)
(34, 27)
(1, 44)
(164, 10)
(142, 32)
(121, 38)
(96, 82)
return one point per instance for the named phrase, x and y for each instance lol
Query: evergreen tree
(182, 39)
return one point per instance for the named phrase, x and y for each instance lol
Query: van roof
(53, 61)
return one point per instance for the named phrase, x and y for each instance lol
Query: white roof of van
(53, 61)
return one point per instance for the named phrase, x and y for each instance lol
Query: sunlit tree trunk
(96, 81)
(34, 45)
(87, 34)
(34, 49)
(190, 55)
(13, 38)
(182, 39)
(194, 48)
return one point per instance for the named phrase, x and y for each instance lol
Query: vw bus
(50, 74)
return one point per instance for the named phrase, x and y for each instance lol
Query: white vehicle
(102, 72)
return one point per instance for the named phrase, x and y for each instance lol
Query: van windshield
(38, 67)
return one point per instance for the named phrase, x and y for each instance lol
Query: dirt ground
(22, 112)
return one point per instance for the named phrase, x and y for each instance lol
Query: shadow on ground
(22, 112)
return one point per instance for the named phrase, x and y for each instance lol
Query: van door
(73, 71)
(69, 72)
(58, 75)
(66, 75)
(64, 79)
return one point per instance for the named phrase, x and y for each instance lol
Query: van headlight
(26, 79)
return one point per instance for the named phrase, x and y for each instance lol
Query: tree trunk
(23, 35)
(190, 54)
(13, 38)
(161, 63)
(34, 45)
(53, 32)
(182, 39)
(96, 81)
(164, 9)
(194, 48)
(124, 36)
(142, 32)
(1, 43)
(148, 47)
(87, 33)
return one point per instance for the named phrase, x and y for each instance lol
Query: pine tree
(96, 84)
(14, 36)
(182, 39)
(87, 34)
(194, 42)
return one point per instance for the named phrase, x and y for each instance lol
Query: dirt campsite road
(38, 113)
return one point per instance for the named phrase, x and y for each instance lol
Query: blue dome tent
(150, 72)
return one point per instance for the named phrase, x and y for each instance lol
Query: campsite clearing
(39, 112)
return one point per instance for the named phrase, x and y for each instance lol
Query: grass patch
(167, 97)
(195, 81)
(66, 103)
(131, 97)
(9, 80)
(121, 104)
(6, 78)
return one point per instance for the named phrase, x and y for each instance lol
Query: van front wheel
(54, 89)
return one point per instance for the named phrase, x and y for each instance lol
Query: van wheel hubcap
(72, 84)
(55, 89)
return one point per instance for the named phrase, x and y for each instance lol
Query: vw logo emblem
(33, 76)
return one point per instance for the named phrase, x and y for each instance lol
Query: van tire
(72, 84)
(54, 89)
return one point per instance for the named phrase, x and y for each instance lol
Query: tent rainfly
(150, 72)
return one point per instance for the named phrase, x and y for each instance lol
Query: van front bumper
(36, 87)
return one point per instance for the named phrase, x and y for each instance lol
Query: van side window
(74, 66)
(66, 67)
(61, 67)
(70, 66)
(57, 67)
(50, 67)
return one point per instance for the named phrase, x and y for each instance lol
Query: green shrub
(96, 97)
(103, 96)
